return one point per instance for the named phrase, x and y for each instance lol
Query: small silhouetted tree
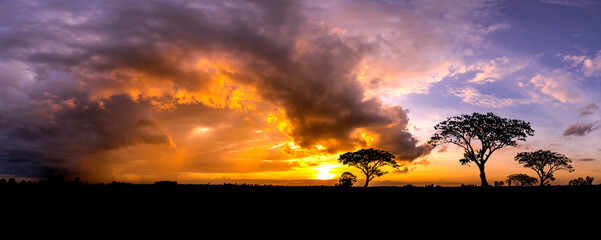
(499, 183)
(369, 161)
(491, 131)
(544, 163)
(522, 179)
(582, 182)
(347, 179)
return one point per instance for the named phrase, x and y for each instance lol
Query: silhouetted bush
(582, 181)
(347, 179)
(522, 179)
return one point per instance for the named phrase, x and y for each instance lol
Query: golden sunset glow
(324, 171)
(200, 130)
(274, 93)
(278, 120)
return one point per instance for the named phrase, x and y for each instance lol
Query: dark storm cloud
(49, 136)
(324, 101)
(81, 126)
(73, 63)
(25, 163)
(581, 129)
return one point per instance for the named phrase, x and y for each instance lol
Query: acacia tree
(540, 159)
(480, 135)
(369, 161)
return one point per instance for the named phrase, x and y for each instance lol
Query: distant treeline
(59, 181)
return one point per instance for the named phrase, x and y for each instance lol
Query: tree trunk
(366, 182)
(482, 175)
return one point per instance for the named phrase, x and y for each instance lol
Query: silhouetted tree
(499, 183)
(347, 179)
(492, 132)
(582, 182)
(369, 161)
(522, 179)
(541, 159)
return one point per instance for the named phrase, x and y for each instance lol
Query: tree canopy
(347, 179)
(544, 163)
(480, 135)
(522, 179)
(369, 161)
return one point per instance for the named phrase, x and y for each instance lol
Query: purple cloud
(588, 109)
(581, 129)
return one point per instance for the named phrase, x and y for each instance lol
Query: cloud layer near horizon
(101, 88)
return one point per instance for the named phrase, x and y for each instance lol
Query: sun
(323, 172)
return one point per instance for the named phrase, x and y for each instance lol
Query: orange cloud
(252, 88)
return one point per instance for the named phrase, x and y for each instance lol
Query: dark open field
(121, 204)
(164, 193)
(305, 209)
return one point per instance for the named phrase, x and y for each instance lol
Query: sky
(272, 92)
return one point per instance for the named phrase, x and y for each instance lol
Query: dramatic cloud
(141, 88)
(414, 44)
(197, 90)
(581, 129)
